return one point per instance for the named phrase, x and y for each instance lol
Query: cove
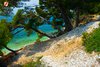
(21, 39)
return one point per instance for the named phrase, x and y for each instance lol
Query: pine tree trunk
(10, 50)
(77, 17)
(42, 33)
(68, 25)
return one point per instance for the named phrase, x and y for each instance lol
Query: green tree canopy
(7, 10)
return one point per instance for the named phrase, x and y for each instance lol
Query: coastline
(59, 49)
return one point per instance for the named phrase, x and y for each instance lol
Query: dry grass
(62, 48)
(23, 59)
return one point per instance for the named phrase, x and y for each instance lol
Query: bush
(92, 41)
(34, 64)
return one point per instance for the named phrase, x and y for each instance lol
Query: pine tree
(5, 35)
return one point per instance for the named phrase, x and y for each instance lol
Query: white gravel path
(78, 58)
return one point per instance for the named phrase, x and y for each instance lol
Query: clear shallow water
(21, 39)
(8, 18)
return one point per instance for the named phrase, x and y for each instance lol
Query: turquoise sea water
(21, 39)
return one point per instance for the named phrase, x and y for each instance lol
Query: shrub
(34, 64)
(92, 41)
